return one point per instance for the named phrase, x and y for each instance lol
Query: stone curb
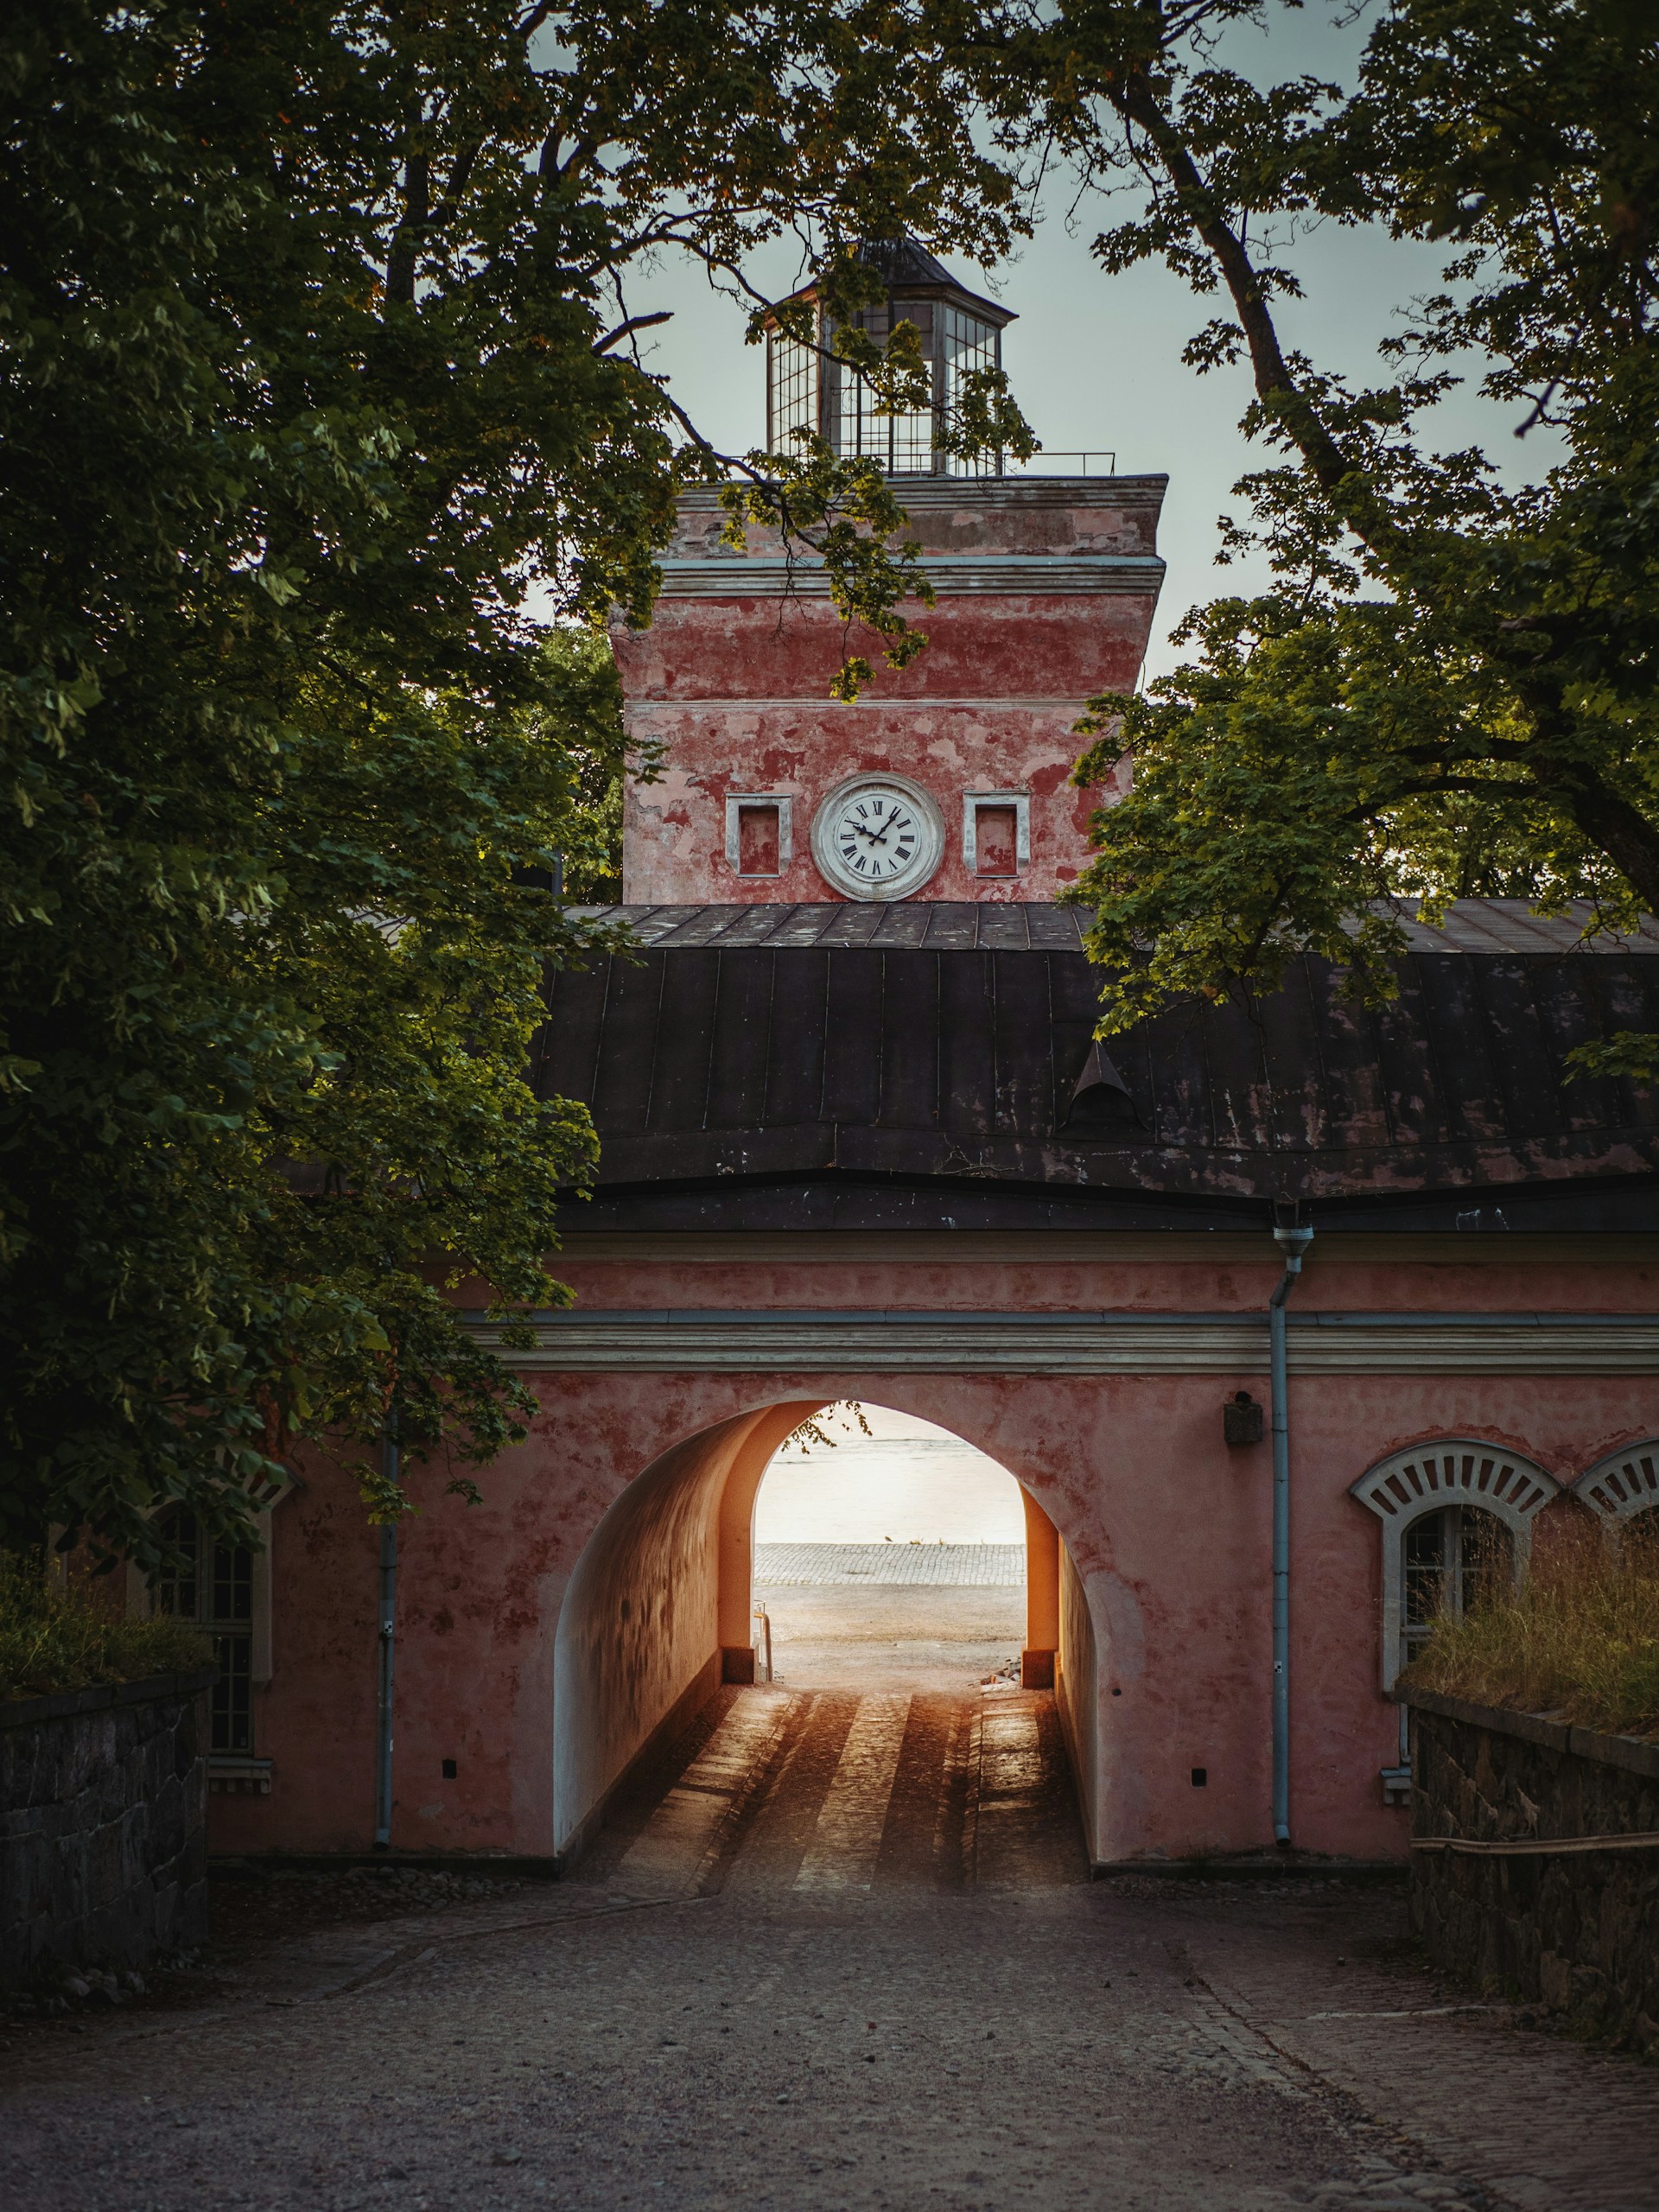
(60, 1705)
(1633, 1753)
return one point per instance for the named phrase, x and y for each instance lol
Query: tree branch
(634, 323)
(1608, 820)
(1275, 385)
(411, 224)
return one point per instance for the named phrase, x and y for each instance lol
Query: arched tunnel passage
(673, 1763)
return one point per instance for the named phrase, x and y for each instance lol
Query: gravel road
(840, 1951)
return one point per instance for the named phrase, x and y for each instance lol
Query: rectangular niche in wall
(996, 832)
(758, 841)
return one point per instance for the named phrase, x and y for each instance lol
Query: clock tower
(948, 780)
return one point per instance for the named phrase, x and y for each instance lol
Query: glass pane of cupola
(910, 437)
(969, 344)
(792, 398)
(958, 333)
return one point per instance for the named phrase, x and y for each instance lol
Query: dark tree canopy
(1450, 688)
(326, 451)
(316, 355)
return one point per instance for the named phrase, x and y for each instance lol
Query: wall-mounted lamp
(1241, 1419)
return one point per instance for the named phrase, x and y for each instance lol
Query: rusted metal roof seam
(1474, 929)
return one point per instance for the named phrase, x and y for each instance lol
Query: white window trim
(1622, 1485)
(1426, 1477)
(971, 803)
(784, 805)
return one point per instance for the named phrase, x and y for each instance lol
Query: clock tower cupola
(948, 780)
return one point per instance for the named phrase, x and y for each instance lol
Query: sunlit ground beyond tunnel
(893, 1559)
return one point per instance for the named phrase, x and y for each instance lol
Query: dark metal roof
(921, 1047)
(910, 270)
(1473, 925)
(943, 927)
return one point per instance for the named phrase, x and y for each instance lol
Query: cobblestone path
(842, 1952)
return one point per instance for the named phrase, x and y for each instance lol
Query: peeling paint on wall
(734, 681)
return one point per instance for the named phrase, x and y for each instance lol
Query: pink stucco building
(857, 1142)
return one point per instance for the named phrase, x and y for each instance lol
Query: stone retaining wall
(1577, 1931)
(103, 1824)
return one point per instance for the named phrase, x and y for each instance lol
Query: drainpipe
(388, 1644)
(1293, 1243)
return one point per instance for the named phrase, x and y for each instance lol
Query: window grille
(903, 444)
(792, 393)
(212, 1585)
(910, 444)
(969, 345)
(954, 343)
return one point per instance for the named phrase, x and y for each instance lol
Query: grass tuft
(54, 1639)
(1579, 1640)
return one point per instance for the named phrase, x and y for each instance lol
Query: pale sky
(909, 1480)
(1094, 362)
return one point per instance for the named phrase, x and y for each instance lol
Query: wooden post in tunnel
(737, 1535)
(1042, 1597)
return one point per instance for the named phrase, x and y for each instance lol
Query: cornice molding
(1016, 575)
(898, 704)
(1104, 1248)
(743, 1341)
(932, 492)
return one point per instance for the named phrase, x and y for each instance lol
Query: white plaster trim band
(785, 805)
(971, 803)
(736, 576)
(748, 1342)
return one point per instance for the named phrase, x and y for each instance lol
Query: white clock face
(878, 836)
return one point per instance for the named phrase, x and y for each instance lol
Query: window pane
(1487, 1558)
(233, 1583)
(911, 443)
(178, 1592)
(903, 443)
(233, 1720)
(1425, 1578)
(794, 392)
(969, 345)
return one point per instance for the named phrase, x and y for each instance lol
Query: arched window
(1453, 1512)
(1623, 1489)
